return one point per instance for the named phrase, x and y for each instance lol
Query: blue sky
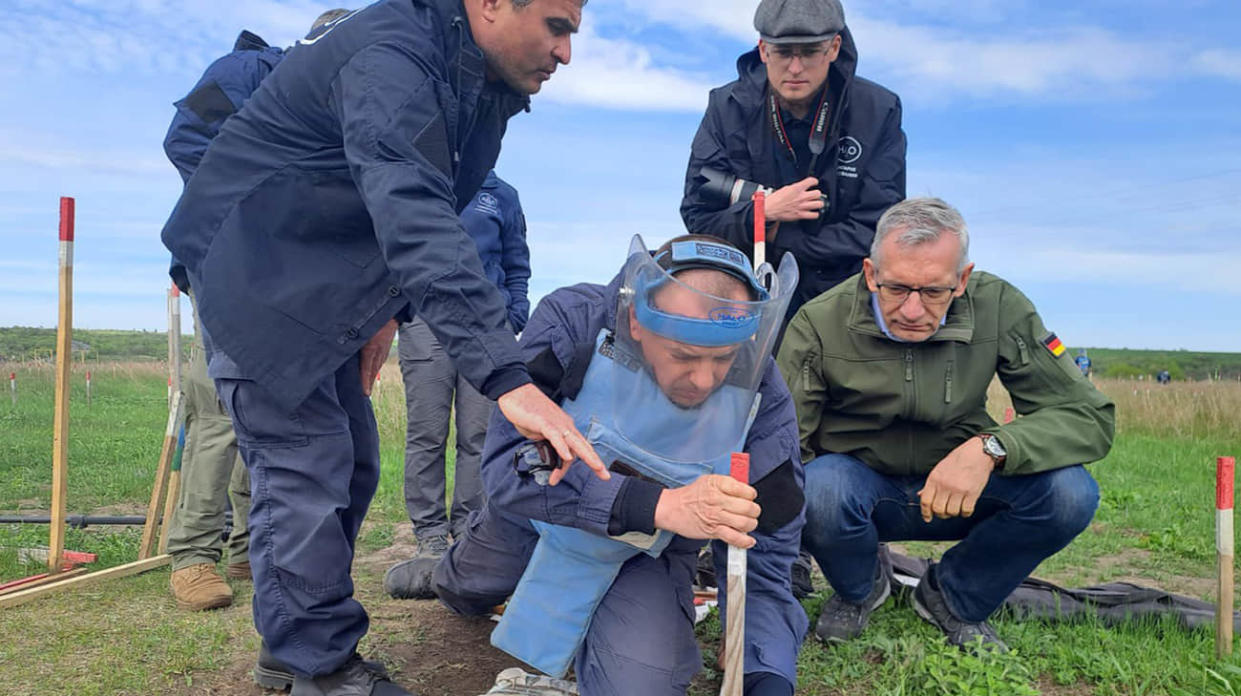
(1093, 148)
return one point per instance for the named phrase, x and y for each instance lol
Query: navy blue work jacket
(331, 202)
(862, 169)
(221, 91)
(495, 222)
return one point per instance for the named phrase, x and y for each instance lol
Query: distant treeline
(24, 343)
(1180, 364)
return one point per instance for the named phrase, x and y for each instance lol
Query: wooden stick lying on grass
(16, 598)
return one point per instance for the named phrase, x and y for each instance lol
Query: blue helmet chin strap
(730, 323)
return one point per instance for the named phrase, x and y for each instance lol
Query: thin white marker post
(88, 399)
(174, 341)
(734, 628)
(1224, 467)
(13, 388)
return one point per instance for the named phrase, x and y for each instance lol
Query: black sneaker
(356, 678)
(840, 620)
(802, 565)
(271, 673)
(412, 579)
(928, 602)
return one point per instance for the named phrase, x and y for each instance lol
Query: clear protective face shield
(694, 328)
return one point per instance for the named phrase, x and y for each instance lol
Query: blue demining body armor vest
(571, 569)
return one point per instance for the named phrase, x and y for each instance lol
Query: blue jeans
(1017, 522)
(313, 471)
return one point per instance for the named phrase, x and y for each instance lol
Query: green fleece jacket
(901, 407)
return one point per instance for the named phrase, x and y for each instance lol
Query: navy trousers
(1018, 522)
(641, 639)
(313, 472)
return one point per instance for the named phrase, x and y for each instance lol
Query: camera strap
(818, 129)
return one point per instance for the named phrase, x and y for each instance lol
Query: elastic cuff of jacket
(766, 684)
(634, 508)
(505, 380)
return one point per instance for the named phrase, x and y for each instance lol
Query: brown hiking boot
(199, 587)
(238, 571)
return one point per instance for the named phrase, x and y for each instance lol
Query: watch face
(993, 447)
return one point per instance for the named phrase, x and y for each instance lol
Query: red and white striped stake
(1224, 467)
(734, 629)
(760, 228)
(64, 357)
(13, 387)
(88, 388)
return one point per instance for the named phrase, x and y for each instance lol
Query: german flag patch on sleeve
(1053, 345)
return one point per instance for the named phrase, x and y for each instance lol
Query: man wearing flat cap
(826, 144)
(797, 121)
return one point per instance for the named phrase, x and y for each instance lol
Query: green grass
(1155, 525)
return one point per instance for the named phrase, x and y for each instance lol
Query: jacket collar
(248, 41)
(958, 323)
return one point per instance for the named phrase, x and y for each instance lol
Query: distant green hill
(18, 343)
(1181, 364)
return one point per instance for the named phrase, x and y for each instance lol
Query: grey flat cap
(798, 21)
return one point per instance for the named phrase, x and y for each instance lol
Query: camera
(727, 189)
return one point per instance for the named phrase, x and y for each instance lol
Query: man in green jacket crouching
(889, 373)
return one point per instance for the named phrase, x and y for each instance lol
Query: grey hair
(918, 221)
(329, 17)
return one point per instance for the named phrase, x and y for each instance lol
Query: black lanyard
(818, 129)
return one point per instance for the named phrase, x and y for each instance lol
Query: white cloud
(1221, 63)
(620, 74)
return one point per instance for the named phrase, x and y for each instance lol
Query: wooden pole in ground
(146, 547)
(88, 399)
(64, 356)
(13, 388)
(734, 629)
(1224, 467)
(174, 490)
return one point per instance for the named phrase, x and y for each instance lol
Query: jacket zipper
(909, 366)
(1022, 353)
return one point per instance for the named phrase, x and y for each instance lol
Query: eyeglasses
(890, 292)
(810, 57)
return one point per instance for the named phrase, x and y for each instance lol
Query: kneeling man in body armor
(667, 369)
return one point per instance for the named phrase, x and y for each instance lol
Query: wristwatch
(992, 448)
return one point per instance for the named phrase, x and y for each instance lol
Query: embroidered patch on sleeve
(1053, 345)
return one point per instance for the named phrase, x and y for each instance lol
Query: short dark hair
(523, 3)
(329, 17)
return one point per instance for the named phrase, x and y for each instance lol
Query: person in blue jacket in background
(324, 209)
(436, 390)
(669, 366)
